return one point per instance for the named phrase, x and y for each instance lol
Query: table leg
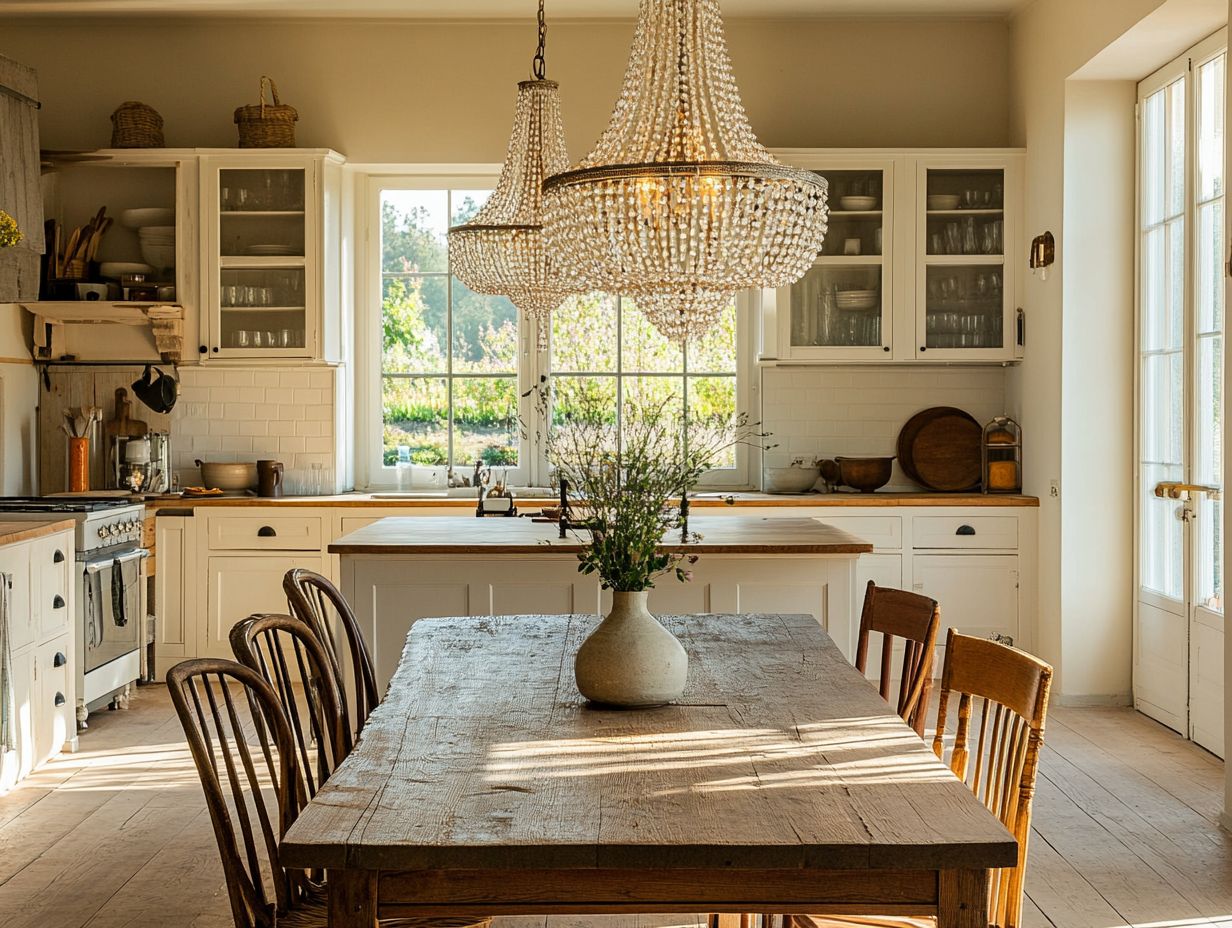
(352, 898)
(962, 899)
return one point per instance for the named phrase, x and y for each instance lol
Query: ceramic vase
(631, 660)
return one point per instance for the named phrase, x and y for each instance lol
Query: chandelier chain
(540, 63)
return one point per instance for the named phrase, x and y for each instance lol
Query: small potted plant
(628, 484)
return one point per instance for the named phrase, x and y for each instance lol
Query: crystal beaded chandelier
(502, 250)
(679, 206)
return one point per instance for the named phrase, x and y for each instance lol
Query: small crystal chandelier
(679, 206)
(502, 251)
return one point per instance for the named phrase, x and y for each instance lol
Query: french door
(1178, 659)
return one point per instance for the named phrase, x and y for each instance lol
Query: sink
(466, 493)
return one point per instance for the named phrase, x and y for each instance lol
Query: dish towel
(8, 736)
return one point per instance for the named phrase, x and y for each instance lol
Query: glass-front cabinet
(268, 270)
(965, 310)
(914, 262)
(843, 307)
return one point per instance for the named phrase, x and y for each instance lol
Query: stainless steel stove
(111, 600)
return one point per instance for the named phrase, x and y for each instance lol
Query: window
(449, 371)
(452, 369)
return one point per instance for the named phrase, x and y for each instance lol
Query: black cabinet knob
(58, 557)
(59, 699)
(266, 531)
(215, 349)
(885, 347)
(923, 348)
(965, 530)
(59, 660)
(201, 349)
(58, 602)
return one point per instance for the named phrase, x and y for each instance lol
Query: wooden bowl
(865, 474)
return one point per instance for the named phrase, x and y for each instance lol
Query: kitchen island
(398, 570)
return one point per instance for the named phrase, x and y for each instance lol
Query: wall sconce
(1043, 254)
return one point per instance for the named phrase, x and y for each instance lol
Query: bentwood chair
(915, 619)
(315, 601)
(246, 756)
(290, 658)
(1007, 692)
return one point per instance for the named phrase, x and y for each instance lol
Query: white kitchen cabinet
(271, 255)
(977, 593)
(907, 277)
(43, 682)
(239, 585)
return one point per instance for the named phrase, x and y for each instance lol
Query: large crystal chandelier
(679, 206)
(502, 250)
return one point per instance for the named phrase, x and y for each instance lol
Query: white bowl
(158, 255)
(147, 216)
(117, 269)
(790, 479)
(943, 201)
(858, 204)
(156, 232)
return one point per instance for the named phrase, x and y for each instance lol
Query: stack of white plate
(854, 300)
(158, 245)
(268, 251)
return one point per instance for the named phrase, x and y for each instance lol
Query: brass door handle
(1184, 491)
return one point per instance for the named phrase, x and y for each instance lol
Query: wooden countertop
(14, 531)
(468, 535)
(702, 501)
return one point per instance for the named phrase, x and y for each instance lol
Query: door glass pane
(262, 308)
(1208, 290)
(837, 305)
(964, 307)
(855, 226)
(1162, 340)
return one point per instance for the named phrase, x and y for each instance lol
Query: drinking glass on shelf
(285, 339)
(969, 246)
(970, 199)
(934, 244)
(953, 239)
(224, 198)
(241, 199)
(243, 338)
(256, 338)
(271, 339)
(988, 239)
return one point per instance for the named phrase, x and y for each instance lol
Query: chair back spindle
(1002, 706)
(316, 602)
(895, 614)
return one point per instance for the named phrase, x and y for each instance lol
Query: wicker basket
(267, 125)
(135, 125)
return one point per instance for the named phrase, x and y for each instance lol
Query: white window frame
(370, 471)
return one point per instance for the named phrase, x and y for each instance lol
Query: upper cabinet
(914, 263)
(270, 255)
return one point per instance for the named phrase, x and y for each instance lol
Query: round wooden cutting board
(939, 448)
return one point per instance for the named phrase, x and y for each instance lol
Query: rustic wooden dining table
(484, 784)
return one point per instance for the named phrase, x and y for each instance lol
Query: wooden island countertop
(15, 530)
(496, 535)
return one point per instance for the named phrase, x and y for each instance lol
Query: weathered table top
(719, 535)
(779, 756)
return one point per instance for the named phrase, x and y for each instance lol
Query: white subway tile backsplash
(859, 410)
(281, 413)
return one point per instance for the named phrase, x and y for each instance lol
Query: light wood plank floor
(117, 835)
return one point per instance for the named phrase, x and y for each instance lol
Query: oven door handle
(94, 567)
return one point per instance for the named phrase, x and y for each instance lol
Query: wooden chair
(915, 619)
(290, 658)
(246, 756)
(1008, 689)
(314, 600)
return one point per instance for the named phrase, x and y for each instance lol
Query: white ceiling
(499, 9)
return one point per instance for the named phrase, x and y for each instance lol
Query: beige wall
(414, 91)
(1051, 40)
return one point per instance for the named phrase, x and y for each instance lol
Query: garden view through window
(451, 360)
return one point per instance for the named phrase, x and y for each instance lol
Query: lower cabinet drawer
(55, 710)
(265, 533)
(50, 561)
(965, 532)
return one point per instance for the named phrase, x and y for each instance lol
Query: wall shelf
(165, 321)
